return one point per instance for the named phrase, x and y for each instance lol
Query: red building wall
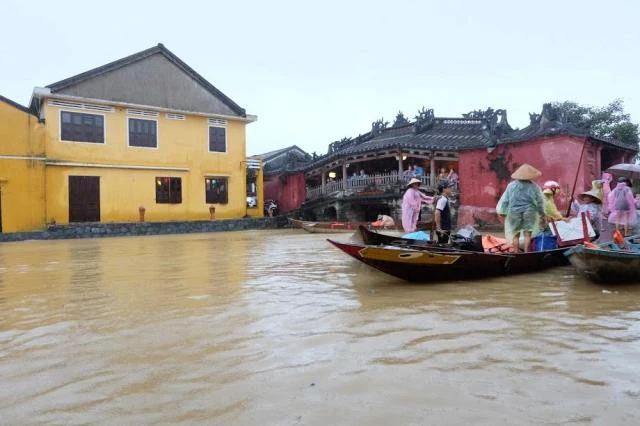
(289, 191)
(484, 175)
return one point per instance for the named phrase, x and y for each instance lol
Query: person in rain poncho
(412, 202)
(550, 189)
(622, 207)
(590, 203)
(522, 206)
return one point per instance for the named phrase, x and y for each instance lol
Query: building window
(143, 133)
(168, 190)
(217, 139)
(79, 127)
(216, 190)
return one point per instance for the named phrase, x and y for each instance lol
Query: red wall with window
(289, 191)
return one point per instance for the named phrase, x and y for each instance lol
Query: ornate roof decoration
(378, 126)
(552, 121)
(495, 125)
(400, 120)
(424, 120)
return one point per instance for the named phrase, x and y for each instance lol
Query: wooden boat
(329, 227)
(325, 227)
(432, 265)
(373, 237)
(608, 262)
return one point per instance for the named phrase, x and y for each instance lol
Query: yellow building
(22, 169)
(145, 132)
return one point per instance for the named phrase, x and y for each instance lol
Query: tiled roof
(446, 134)
(271, 154)
(62, 84)
(443, 134)
(284, 160)
(452, 134)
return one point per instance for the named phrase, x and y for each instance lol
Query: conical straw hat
(593, 193)
(526, 172)
(414, 180)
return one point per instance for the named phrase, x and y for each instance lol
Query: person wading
(412, 202)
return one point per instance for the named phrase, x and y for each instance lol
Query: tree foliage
(609, 121)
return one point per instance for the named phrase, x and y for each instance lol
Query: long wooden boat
(429, 265)
(608, 262)
(325, 227)
(375, 238)
(330, 227)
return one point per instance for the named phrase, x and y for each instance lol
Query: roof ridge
(16, 105)
(159, 48)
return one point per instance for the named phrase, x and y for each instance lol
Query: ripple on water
(267, 327)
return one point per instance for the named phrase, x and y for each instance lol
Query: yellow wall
(182, 144)
(21, 172)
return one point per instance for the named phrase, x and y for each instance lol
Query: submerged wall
(97, 230)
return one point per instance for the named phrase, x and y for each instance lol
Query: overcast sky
(317, 72)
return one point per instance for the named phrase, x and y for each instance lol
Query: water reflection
(281, 328)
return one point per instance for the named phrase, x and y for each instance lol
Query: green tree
(609, 121)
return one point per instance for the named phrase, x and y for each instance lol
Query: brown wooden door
(84, 199)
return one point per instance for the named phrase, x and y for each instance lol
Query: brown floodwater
(280, 328)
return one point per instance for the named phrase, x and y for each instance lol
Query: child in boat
(622, 207)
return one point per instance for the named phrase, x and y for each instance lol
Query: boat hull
(606, 266)
(325, 227)
(432, 266)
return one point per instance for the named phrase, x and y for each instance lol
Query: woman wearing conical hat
(590, 203)
(412, 202)
(522, 206)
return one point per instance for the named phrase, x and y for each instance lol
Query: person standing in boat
(550, 190)
(521, 206)
(412, 202)
(443, 214)
(589, 203)
(622, 207)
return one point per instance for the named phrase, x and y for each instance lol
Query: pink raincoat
(622, 205)
(411, 203)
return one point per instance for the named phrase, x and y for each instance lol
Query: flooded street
(280, 328)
